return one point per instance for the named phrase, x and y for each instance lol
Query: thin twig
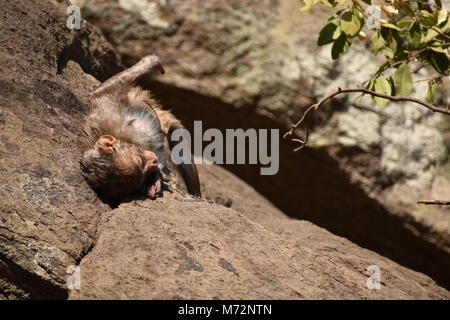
(393, 98)
(440, 33)
(315, 106)
(434, 202)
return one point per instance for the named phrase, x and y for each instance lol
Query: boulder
(175, 248)
(234, 243)
(256, 64)
(48, 214)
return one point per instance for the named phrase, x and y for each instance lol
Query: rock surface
(175, 249)
(255, 64)
(48, 215)
(51, 221)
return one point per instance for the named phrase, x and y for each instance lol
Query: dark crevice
(311, 185)
(35, 287)
(85, 252)
(100, 62)
(111, 202)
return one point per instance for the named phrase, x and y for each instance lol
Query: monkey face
(117, 168)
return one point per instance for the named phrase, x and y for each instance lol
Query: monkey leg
(128, 77)
(167, 120)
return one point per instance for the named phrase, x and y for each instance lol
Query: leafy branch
(307, 114)
(403, 31)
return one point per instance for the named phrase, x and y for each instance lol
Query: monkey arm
(154, 185)
(128, 77)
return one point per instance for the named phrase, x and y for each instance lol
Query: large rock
(48, 215)
(255, 64)
(175, 249)
(51, 221)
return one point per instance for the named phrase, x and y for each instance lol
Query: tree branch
(315, 106)
(435, 202)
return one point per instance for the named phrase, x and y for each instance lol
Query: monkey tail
(188, 171)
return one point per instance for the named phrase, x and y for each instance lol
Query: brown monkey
(125, 133)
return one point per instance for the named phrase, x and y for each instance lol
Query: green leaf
(446, 26)
(335, 15)
(422, 5)
(382, 85)
(407, 9)
(440, 62)
(396, 42)
(402, 80)
(337, 33)
(329, 3)
(431, 93)
(326, 35)
(390, 26)
(377, 42)
(351, 23)
(368, 1)
(388, 52)
(340, 46)
(429, 19)
(438, 49)
(405, 24)
(369, 84)
(442, 16)
(308, 4)
(415, 34)
(430, 35)
(438, 3)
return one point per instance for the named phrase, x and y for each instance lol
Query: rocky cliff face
(48, 216)
(255, 64)
(233, 244)
(174, 249)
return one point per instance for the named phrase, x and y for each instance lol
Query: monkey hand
(154, 185)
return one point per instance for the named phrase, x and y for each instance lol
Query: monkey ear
(106, 144)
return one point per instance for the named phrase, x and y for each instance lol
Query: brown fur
(125, 136)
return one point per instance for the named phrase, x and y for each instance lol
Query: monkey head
(117, 168)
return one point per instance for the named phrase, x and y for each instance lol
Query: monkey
(126, 132)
